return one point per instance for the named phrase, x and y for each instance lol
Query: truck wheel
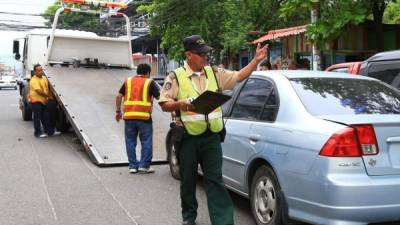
(62, 123)
(26, 112)
(265, 197)
(172, 158)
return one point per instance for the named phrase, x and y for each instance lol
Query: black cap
(196, 43)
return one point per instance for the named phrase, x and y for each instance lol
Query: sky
(8, 11)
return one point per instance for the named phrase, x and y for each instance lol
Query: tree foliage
(175, 19)
(392, 13)
(336, 15)
(72, 20)
(224, 24)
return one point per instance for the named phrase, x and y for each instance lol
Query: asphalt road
(51, 181)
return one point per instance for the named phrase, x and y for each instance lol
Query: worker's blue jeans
(144, 129)
(41, 119)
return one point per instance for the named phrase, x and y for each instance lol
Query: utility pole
(316, 54)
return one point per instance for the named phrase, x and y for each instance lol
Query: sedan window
(252, 98)
(270, 108)
(333, 96)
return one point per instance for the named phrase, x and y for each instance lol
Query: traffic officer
(201, 142)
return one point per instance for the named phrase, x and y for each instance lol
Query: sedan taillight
(352, 141)
(367, 139)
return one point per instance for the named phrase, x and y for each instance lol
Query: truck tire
(62, 123)
(23, 101)
(26, 112)
(172, 158)
(266, 197)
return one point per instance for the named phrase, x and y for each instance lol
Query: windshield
(333, 96)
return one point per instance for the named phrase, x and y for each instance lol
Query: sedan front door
(239, 144)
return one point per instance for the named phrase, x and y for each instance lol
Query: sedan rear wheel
(266, 197)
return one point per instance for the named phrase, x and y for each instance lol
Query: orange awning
(274, 34)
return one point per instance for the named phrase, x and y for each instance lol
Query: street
(309, 124)
(52, 181)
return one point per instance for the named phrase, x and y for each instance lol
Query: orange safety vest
(137, 100)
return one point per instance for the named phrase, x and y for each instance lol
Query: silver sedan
(318, 147)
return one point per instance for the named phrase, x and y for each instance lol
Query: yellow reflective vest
(195, 123)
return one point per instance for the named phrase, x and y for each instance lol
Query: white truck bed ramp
(88, 97)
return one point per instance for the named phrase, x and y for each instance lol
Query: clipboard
(208, 101)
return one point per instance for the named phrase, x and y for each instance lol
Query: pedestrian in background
(201, 143)
(277, 64)
(138, 92)
(39, 95)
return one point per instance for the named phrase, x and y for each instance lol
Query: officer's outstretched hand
(261, 52)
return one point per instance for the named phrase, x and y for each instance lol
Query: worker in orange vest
(138, 92)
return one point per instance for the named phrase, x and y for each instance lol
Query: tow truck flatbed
(87, 96)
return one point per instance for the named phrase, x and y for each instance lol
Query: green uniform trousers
(206, 151)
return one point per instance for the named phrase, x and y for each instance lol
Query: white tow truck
(85, 72)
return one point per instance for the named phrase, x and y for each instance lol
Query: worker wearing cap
(201, 143)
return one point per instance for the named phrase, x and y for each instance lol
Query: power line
(22, 14)
(12, 27)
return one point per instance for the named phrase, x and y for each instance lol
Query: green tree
(392, 15)
(72, 20)
(224, 24)
(336, 15)
(175, 19)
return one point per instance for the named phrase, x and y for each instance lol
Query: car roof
(389, 55)
(290, 74)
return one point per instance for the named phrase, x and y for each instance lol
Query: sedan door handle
(254, 137)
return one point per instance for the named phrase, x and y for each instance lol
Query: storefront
(356, 43)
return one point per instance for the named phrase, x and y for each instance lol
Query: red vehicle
(349, 67)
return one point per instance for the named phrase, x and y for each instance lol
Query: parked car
(318, 147)
(8, 82)
(384, 66)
